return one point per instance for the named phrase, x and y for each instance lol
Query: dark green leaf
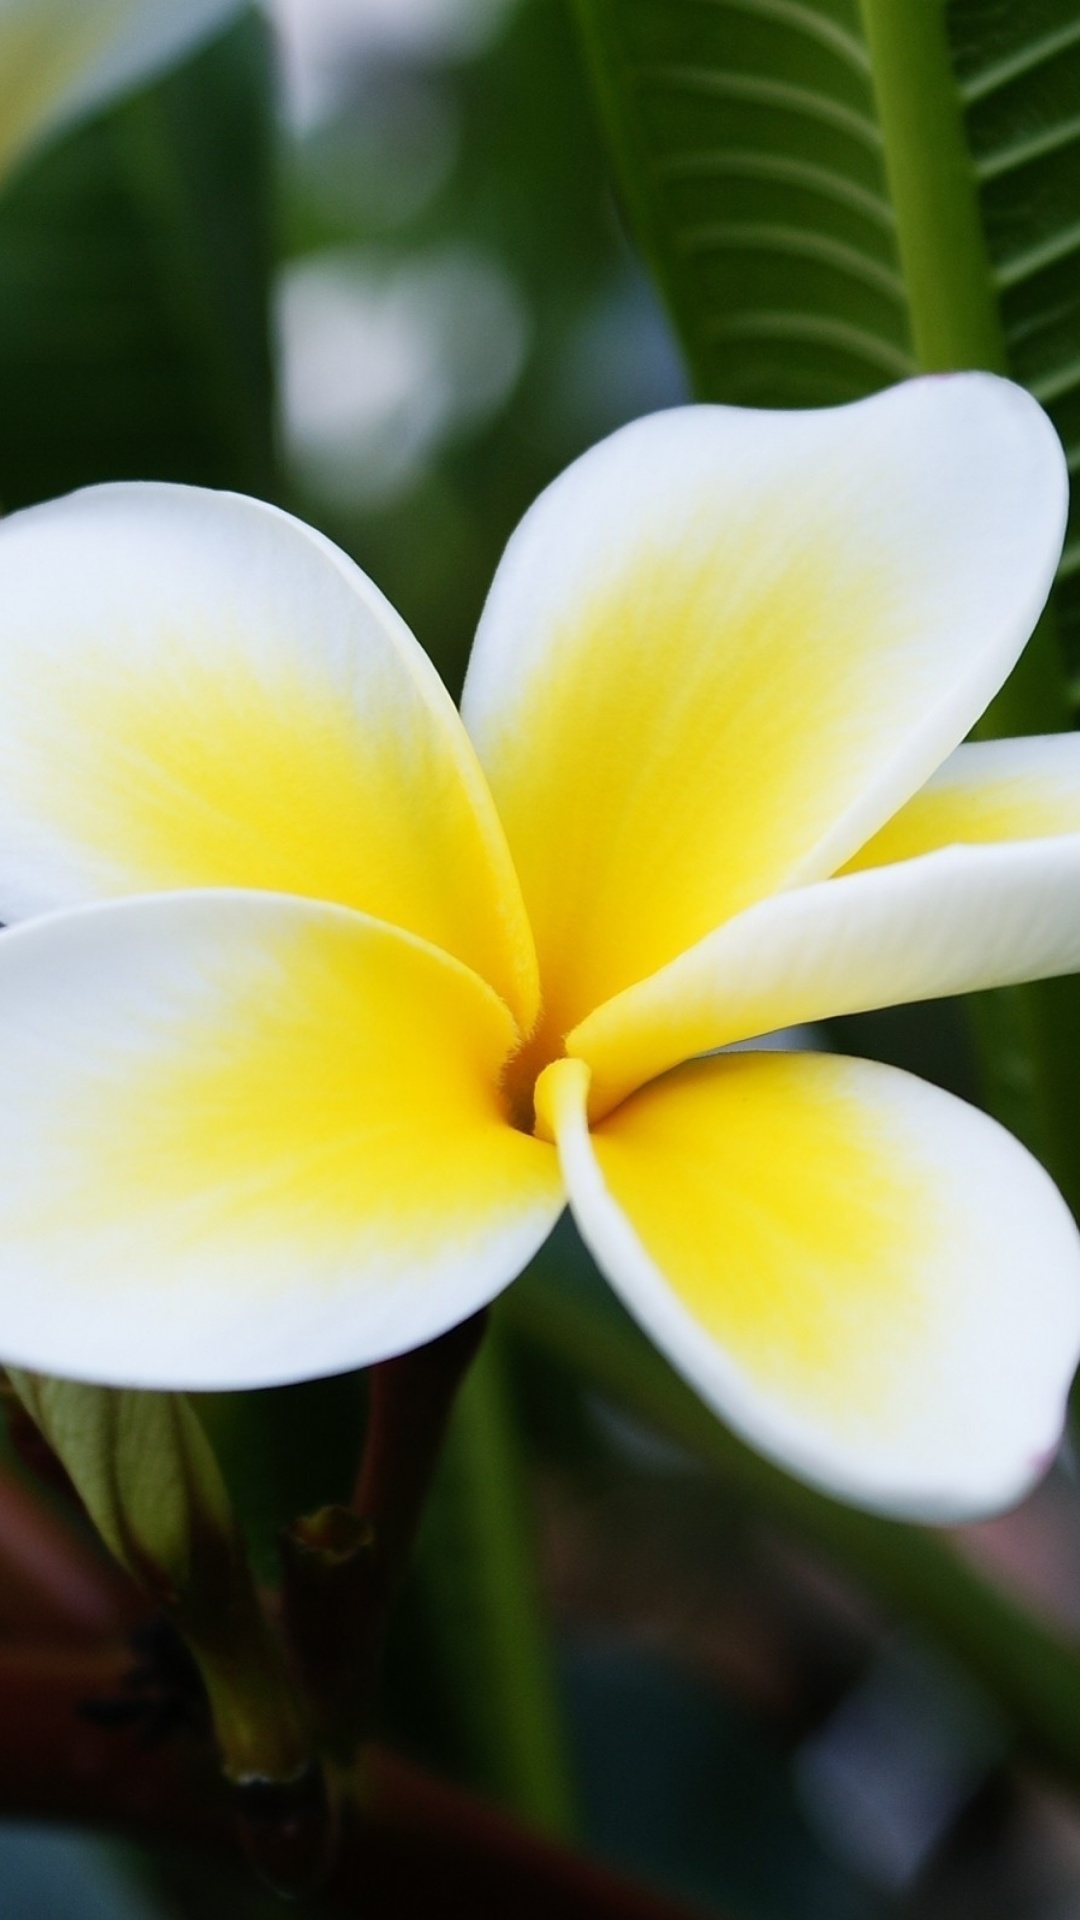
(1017, 69)
(134, 276)
(751, 158)
(478, 1573)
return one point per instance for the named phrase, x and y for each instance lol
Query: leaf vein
(1060, 246)
(1023, 153)
(799, 101)
(1016, 66)
(798, 244)
(1053, 386)
(803, 19)
(787, 170)
(766, 323)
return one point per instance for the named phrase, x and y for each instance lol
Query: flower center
(523, 1070)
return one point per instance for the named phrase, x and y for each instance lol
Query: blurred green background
(382, 261)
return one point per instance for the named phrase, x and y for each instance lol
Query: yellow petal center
(523, 1070)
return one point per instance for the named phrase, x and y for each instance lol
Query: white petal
(197, 690)
(988, 790)
(974, 883)
(874, 1283)
(725, 646)
(249, 1139)
(957, 921)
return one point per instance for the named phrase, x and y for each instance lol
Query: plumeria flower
(325, 1003)
(63, 59)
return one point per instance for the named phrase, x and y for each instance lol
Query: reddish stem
(411, 1401)
(418, 1847)
(52, 1582)
(56, 1764)
(342, 1565)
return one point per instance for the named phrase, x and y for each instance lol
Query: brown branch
(342, 1565)
(53, 1584)
(411, 1402)
(418, 1847)
(426, 1848)
(56, 1764)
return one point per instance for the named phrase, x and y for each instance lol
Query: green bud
(150, 1482)
(144, 1471)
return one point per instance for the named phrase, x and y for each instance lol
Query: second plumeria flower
(272, 1115)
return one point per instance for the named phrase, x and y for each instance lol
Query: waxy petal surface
(196, 690)
(968, 900)
(869, 1280)
(950, 922)
(987, 791)
(249, 1139)
(724, 647)
(60, 59)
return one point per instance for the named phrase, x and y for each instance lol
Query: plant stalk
(342, 1565)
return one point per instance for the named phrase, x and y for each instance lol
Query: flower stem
(342, 1565)
(416, 1845)
(143, 1469)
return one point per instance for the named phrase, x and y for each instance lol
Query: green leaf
(478, 1571)
(147, 1475)
(1017, 71)
(134, 285)
(751, 158)
(144, 1470)
(836, 193)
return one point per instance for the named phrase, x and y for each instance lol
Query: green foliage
(144, 1471)
(477, 1574)
(750, 156)
(149, 1480)
(134, 274)
(285, 1451)
(1017, 73)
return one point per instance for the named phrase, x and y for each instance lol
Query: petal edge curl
(955, 921)
(987, 792)
(875, 1284)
